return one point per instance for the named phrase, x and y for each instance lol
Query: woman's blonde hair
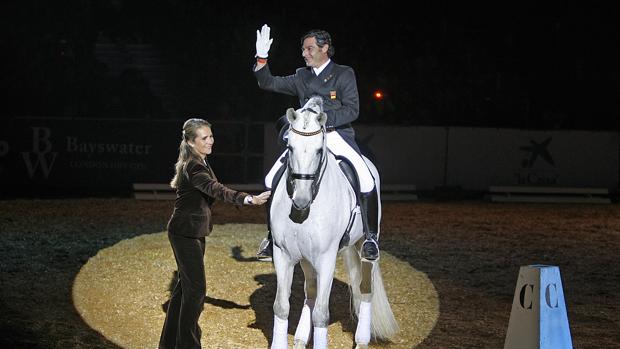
(186, 152)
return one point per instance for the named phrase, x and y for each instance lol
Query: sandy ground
(121, 290)
(470, 251)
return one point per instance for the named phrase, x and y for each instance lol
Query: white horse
(312, 207)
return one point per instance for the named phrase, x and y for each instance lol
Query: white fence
(478, 158)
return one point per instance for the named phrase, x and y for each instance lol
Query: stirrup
(265, 251)
(370, 250)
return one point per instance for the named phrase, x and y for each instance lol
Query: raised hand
(263, 42)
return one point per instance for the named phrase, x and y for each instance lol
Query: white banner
(476, 158)
(479, 158)
(403, 155)
(406, 155)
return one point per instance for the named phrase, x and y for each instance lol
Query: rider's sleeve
(280, 84)
(347, 106)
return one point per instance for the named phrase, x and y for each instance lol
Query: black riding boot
(370, 208)
(265, 250)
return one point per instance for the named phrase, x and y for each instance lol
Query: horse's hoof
(361, 346)
(299, 344)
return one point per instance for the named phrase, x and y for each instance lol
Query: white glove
(263, 42)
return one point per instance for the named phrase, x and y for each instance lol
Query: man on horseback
(337, 86)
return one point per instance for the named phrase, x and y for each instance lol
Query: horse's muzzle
(299, 216)
(301, 202)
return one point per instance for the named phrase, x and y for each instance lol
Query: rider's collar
(318, 70)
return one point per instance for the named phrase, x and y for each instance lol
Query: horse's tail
(383, 324)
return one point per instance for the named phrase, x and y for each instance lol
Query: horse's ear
(291, 115)
(322, 118)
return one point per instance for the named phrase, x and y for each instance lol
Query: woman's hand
(261, 198)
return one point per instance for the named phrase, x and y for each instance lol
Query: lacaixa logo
(536, 150)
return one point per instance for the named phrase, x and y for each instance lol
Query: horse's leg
(302, 334)
(284, 273)
(364, 314)
(320, 314)
(375, 315)
(360, 281)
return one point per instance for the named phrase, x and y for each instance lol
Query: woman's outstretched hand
(261, 198)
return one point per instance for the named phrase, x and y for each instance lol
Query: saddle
(349, 171)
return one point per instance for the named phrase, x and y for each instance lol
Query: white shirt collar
(318, 70)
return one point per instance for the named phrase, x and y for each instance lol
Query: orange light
(378, 95)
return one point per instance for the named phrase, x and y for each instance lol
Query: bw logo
(41, 157)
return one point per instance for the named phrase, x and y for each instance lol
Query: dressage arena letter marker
(538, 317)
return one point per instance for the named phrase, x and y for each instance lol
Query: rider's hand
(263, 42)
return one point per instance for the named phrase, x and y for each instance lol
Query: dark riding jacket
(336, 84)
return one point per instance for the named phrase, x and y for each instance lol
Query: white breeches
(339, 147)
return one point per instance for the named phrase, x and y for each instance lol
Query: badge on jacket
(332, 94)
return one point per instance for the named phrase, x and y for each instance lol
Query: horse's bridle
(316, 176)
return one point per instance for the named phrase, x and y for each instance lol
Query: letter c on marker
(551, 295)
(524, 290)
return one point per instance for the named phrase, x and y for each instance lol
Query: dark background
(549, 65)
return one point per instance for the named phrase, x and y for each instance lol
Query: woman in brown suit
(197, 188)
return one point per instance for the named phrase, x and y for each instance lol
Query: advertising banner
(77, 157)
(479, 158)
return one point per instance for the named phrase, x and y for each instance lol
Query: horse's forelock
(314, 103)
(307, 119)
